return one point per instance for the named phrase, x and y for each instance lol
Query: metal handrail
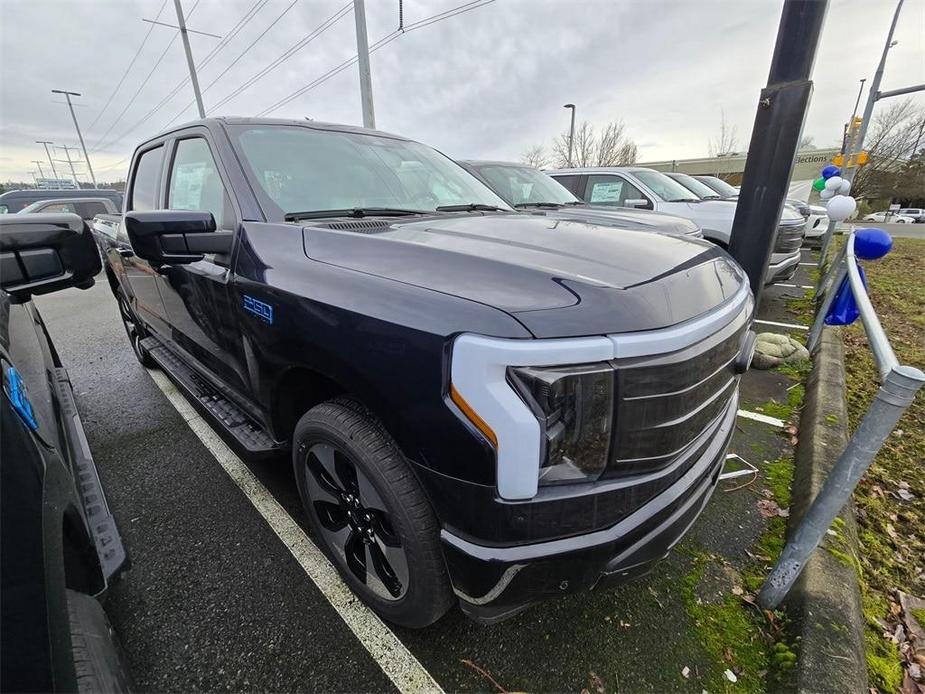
(899, 384)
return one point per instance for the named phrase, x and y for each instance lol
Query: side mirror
(638, 202)
(175, 237)
(42, 253)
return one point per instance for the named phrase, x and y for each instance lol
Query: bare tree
(727, 140)
(535, 156)
(895, 136)
(612, 147)
(806, 142)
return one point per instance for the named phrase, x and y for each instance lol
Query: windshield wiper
(470, 207)
(685, 200)
(550, 205)
(357, 212)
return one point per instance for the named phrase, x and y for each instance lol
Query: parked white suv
(634, 186)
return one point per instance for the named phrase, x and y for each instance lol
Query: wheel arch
(297, 390)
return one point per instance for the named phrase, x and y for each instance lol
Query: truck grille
(789, 237)
(665, 403)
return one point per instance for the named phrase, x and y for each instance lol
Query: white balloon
(826, 194)
(845, 187)
(834, 183)
(841, 207)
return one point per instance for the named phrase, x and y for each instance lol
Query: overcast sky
(485, 84)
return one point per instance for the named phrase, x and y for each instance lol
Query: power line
(381, 43)
(327, 24)
(235, 61)
(127, 70)
(256, 7)
(141, 86)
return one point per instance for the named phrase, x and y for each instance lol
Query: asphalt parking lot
(226, 593)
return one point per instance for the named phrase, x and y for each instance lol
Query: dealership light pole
(68, 95)
(366, 78)
(48, 154)
(67, 153)
(571, 132)
(39, 164)
(184, 34)
(776, 133)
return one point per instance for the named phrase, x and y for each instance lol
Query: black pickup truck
(479, 404)
(60, 548)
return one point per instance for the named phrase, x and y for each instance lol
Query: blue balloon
(844, 309)
(872, 243)
(830, 170)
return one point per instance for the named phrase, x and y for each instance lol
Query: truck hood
(557, 277)
(624, 218)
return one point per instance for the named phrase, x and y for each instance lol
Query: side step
(234, 424)
(100, 522)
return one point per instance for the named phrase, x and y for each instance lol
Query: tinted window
(89, 210)
(666, 188)
(147, 174)
(698, 188)
(611, 190)
(195, 183)
(59, 207)
(570, 181)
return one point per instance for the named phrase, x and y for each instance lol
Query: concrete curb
(826, 599)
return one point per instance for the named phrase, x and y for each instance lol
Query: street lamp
(571, 133)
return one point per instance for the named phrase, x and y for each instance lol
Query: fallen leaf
(905, 495)
(737, 590)
(783, 512)
(768, 508)
(891, 531)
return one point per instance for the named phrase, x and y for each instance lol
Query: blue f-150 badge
(19, 398)
(258, 308)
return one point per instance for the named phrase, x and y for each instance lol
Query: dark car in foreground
(59, 545)
(480, 405)
(526, 188)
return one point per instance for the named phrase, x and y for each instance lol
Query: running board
(234, 425)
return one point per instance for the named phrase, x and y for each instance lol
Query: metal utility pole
(39, 164)
(67, 153)
(366, 78)
(184, 34)
(775, 137)
(34, 179)
(571, 133)
(68, 95)
(48, 154)
(872, 95)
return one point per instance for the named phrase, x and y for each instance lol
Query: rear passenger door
(142, 289)
(196, 295)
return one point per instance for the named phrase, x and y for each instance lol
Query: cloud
(487, 84)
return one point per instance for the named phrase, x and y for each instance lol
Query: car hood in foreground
(622, 218)
(558, 278)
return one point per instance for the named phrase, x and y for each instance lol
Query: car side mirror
(638, 203)
(175, 237)
(42, 253)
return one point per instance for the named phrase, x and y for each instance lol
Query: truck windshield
(698, 188)
(303, 169)
(719, 185)
(523, 185)
(666, 188)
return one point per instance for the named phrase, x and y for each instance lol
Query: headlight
(574, 405)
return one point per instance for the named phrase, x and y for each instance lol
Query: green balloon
(819, 184)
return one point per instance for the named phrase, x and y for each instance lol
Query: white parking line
(763, 418)
(793, 326)
(396, 661)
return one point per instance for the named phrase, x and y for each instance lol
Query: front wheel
(370, 514)
(134, 331)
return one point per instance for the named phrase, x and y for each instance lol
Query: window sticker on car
(258, 308)
(606, 192)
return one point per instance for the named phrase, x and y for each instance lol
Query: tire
(98, 661)
(374, 522)
(134, 330)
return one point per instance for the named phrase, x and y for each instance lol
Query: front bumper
(782, 267)
(496, 581)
